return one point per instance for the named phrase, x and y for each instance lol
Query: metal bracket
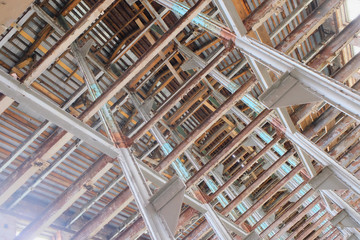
(168, 200)
(252, 236)
(249, 142)
(344, 220)
(286, 91)
(190, 64)
(326, 180)
(352, 237)
(16, 26)
(84, 50)
(130, 2)
(219, 169)
(148, 105)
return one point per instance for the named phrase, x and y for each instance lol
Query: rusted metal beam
(229, 148)
(269, 194)
(134, 231)
(139, 65)
(308, 25)
(348, 69)
(67, 198)
(187, 18)
(335, 132)
(65, 41)
(328, 233)
(334, 46)
(205, 125)
(324, 87)
(51, 111)
(282, 202)
(180, 93)
(345, 143)
(336, 235)
(242, 170)
(268, 172)
(349, 160)
(179, 112)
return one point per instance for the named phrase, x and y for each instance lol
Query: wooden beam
(288, 212)
(242, 170)
(141, 64)
(265, 175)
(308, 26)
(229, 148)
(191, 138)
(269, 194)
(67, 198)
(297, 218)
(180, 93)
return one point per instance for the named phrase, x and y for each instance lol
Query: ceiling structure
(166, 119)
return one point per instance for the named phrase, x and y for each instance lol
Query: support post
(145, 59)
(180, 93)
(206, 124)
(27, 97)
(59, 48)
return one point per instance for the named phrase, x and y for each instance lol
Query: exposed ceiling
(184, 100)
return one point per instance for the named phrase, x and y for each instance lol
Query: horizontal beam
(336, 94)
(29, 98)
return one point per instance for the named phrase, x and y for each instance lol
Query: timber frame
(245, 112)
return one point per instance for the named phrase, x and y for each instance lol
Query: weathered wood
(269, 194)
(191, 138)
(262, 13)
(33, 164)
(229, 148)
(268, 172)
(181, 93)
(67, 198)
(288, 212)
(200, 231)
(279, 204)
(297, 218)
(242, 170)
(308, 26)
(141, 64)
(107, 213)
